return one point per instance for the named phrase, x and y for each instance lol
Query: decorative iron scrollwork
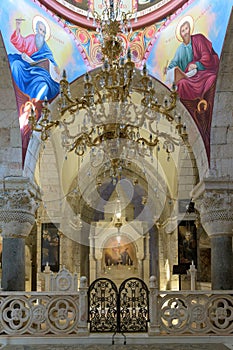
(103, 297)
(133, 304)
(123, 311)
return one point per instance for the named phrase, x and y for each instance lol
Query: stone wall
(222, 122)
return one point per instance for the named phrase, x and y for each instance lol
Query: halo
(182, 21)
(41, 19)
(204, 103)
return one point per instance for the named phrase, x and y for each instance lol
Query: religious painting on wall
(186, 51)
(119, 251)
(39, 47)
(187, 244)
(50, 247)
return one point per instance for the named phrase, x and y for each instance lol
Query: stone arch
(10, 139)
(56, 154)
(195, 139)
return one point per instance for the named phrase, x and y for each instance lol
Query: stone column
(92, 260)
(17, 208)
(13, 263)
(221, 262)
(83, 307)
(154, 328)
(154, 251)
(61, 236)
(214, 201)
(39, 279)
(146, 262)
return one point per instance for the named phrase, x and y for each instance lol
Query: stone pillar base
(221, 262)
(13, 265)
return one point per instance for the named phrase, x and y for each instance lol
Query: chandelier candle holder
(112, 11)
(117, 220)
(118, 114)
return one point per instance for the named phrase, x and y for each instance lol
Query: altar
(119, 249)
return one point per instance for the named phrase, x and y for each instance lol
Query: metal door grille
(102, 300)
(120, 311)
(133, 306)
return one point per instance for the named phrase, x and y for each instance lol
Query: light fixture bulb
(118, 209)
(118, 215)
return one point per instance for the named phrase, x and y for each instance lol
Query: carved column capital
(214, 201)
(18, 204)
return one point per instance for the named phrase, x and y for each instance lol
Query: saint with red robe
(199, 62)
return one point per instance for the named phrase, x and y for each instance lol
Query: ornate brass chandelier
(118, 114)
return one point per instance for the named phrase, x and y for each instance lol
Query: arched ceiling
(160, 183)
(167, 170)
(167, 174)
(68, 169)
(148, 11)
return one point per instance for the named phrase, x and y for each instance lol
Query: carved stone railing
(63, 281)
(190, 312)
(44, 313)
(182, 313)
(38, 314)
(196, 313)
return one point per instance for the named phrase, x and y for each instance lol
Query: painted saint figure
(34, 70)
(125, 257)
(189, 248)
(195, 62)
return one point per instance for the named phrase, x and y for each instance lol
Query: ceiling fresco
(76, 47)
(148, 11)
(143, 6)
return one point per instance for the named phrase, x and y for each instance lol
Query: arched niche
(119, 253)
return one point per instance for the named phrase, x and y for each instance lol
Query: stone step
(161, 346)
